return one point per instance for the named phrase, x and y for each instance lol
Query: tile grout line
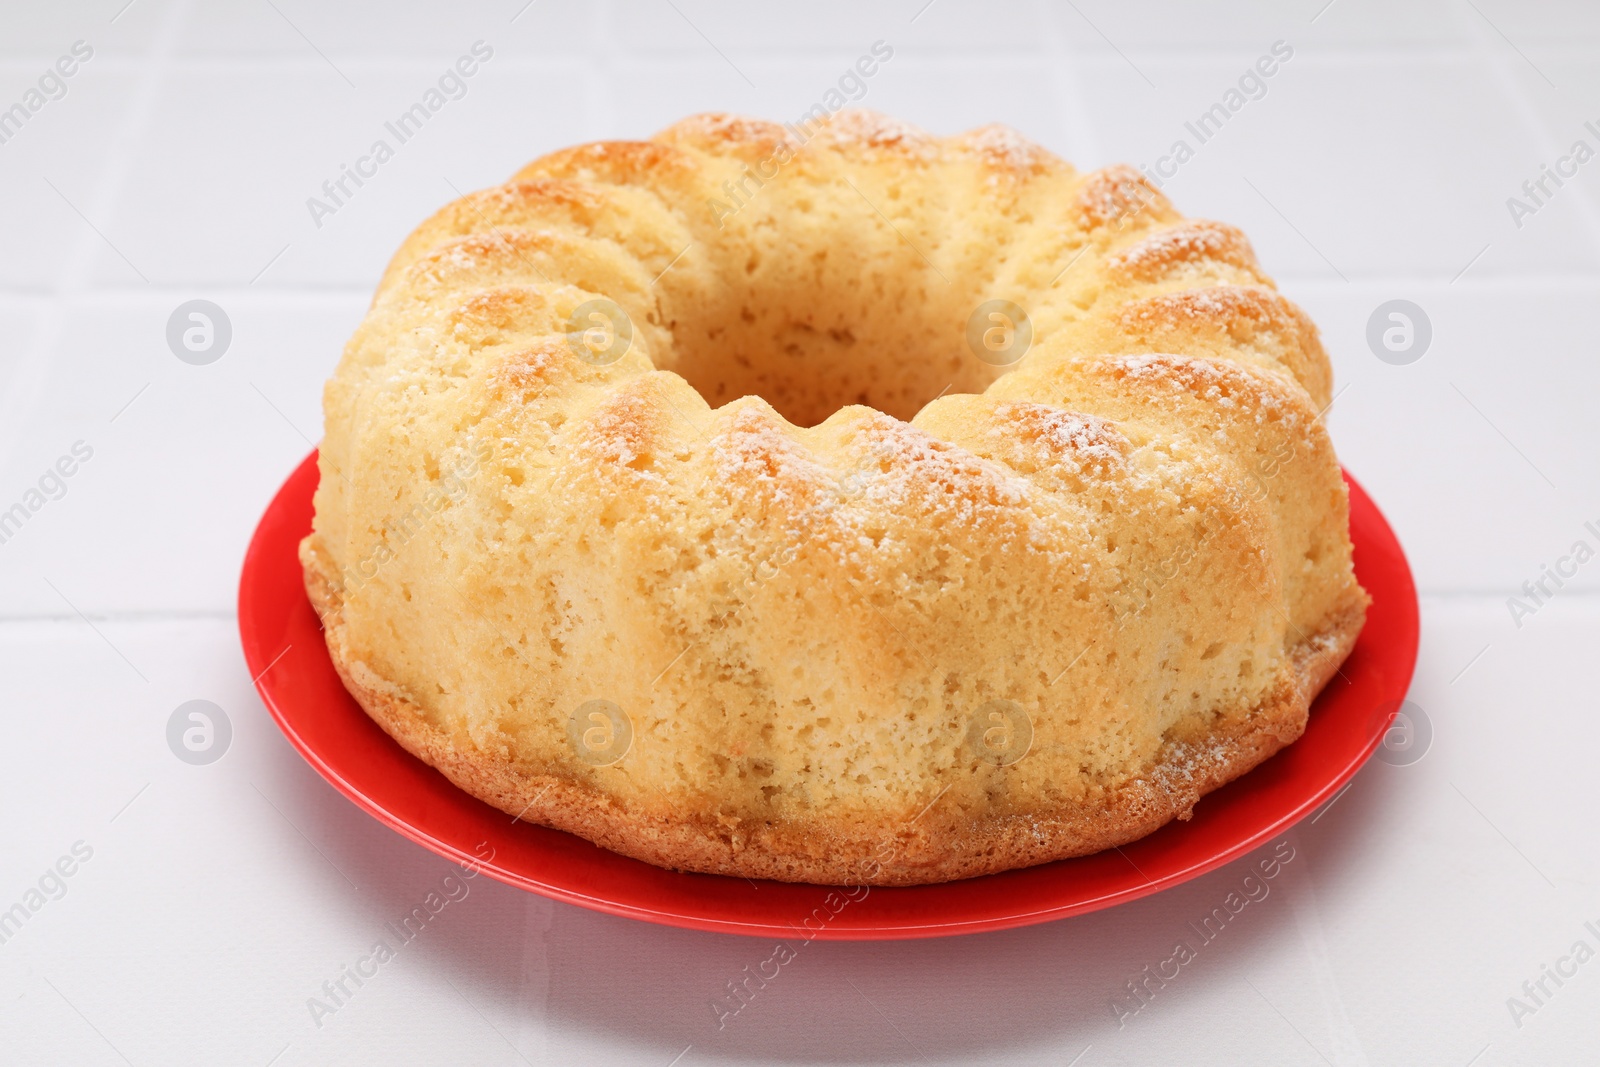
(1067, 92)
(77, 274)
(1527, 110)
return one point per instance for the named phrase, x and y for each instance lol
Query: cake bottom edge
(911, 853)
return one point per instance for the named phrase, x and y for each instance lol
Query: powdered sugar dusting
(859, 128)
(1005, 148)
(466, 255)
(531, 370)
(721, 126)
(1189, 242)
(1223, 384)
(944, 486)
(1069, 436)
(1118, 194)
(898, 471)
(1218, 302)
(753, 450)
(623, 433)
(1186, 768)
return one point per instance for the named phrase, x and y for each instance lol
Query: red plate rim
(286, 656)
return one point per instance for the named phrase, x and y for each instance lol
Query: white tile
(302, 28)
(695, 26)
(1409, 864)
(1103, 26)
(1013, 27)
(1556, 87)
(1554, 21)
(949, 96)
(742, 31)
(249, 857)
(652, 93)
(158, 518)
(222, 896)
(1380, 167)
(36, 34)
(943, 95)
(18, 321)
(1471, 506)
(65, 144)
(221, 180)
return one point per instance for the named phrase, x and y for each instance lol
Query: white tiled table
(217, 899)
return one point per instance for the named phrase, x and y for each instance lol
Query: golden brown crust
(803, 531)
(935, 848)
(1171, 251)
(611, 162)
(1119, 196)
(1231, 319)
(751, 140)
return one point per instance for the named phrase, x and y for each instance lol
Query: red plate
(330, 730)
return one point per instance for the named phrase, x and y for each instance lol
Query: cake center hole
(812, 341)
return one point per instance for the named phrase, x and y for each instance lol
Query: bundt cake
(832, 502)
